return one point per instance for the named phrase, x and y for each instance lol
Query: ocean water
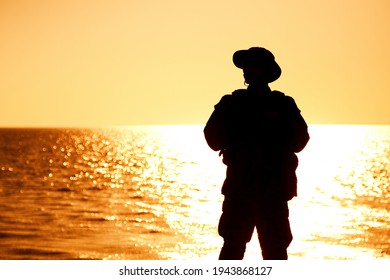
(153, 192)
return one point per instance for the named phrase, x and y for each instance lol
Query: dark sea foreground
(154, 193)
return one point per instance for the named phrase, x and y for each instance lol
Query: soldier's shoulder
(278, 93)
(239, 92)
(283, 95)
(227, 98)
(225, 101)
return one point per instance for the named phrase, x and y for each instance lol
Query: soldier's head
(258, 65)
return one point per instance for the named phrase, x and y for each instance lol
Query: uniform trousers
(242, 214)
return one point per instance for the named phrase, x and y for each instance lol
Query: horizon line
(156, 125)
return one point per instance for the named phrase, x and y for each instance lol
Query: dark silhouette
(258, 132)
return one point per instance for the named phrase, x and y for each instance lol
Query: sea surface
(153, 193)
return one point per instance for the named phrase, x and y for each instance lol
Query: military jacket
(258, 136)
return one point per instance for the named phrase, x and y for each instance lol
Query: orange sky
(101, 63)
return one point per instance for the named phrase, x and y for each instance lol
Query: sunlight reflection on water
(154, 193)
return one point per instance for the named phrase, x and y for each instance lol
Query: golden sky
(101, 63)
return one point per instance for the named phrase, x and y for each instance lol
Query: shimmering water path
(154, 193)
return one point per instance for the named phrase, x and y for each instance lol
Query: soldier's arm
(299, 129)
(216, 130)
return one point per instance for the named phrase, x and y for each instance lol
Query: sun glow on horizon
(99, 63)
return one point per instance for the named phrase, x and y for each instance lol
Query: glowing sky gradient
(102, 63)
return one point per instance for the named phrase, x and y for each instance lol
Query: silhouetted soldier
(258, 132)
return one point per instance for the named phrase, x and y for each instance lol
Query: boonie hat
(258, 56)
